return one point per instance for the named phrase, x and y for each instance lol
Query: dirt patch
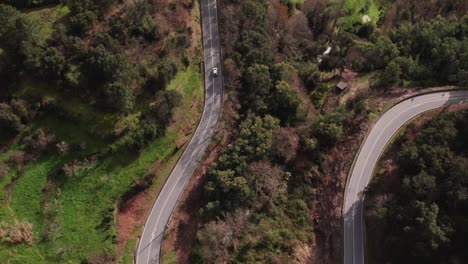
(131, 215)
(456, 108)
(356, 86)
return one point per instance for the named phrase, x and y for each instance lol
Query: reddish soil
(418, 122)
(131, 215)
(391, 170)
(348, 74)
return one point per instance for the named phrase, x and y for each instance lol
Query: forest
(92, 67)
(276, 174)
(421, 216)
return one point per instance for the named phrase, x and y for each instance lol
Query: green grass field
(86, 201)
(354, 10)
(46, 17)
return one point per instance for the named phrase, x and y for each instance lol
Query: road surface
(149, 246)
(368, 156)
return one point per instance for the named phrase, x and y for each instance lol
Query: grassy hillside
(46, 17)
(355, 10)
(64, 169)
(83, 205)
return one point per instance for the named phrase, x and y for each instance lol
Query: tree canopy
(425, 221)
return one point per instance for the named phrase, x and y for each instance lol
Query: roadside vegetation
(95, 95)
(417, 212)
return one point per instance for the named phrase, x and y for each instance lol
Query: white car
(215, 72)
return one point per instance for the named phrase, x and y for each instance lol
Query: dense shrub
(15, 29)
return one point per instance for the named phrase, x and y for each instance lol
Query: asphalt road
(368, 156)
(150, 242)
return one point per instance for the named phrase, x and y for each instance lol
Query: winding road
(368, 156)
(149, 247)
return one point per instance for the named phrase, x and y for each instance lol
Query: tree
(365, 30)
(283, 71)
(329, 128)
(386, 49)
(286, 143)
(103, 66)
(391, 75)
(166, 72)
(254, 143)
(221, 236)
(455, 185)
(318, 19)
(96, 6)
(53, 61)
(409, 159)
(73, 77)
(269, 181)
(119, 97)
(165, 103)
(15, 29)
(136, 22)
(439, 44)
(410, 69)
(254, 12)
(82, 22)
(285, 103)
(425, 218)
(44, 62)
(9, 121)
(257, 85)
(462, 77)
(310, 74)
(215, 241)
(254, 47)
(257, 80)
(422, 185)
(417, 229)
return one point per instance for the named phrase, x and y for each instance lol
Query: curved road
(368, 156)
(150, 242)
